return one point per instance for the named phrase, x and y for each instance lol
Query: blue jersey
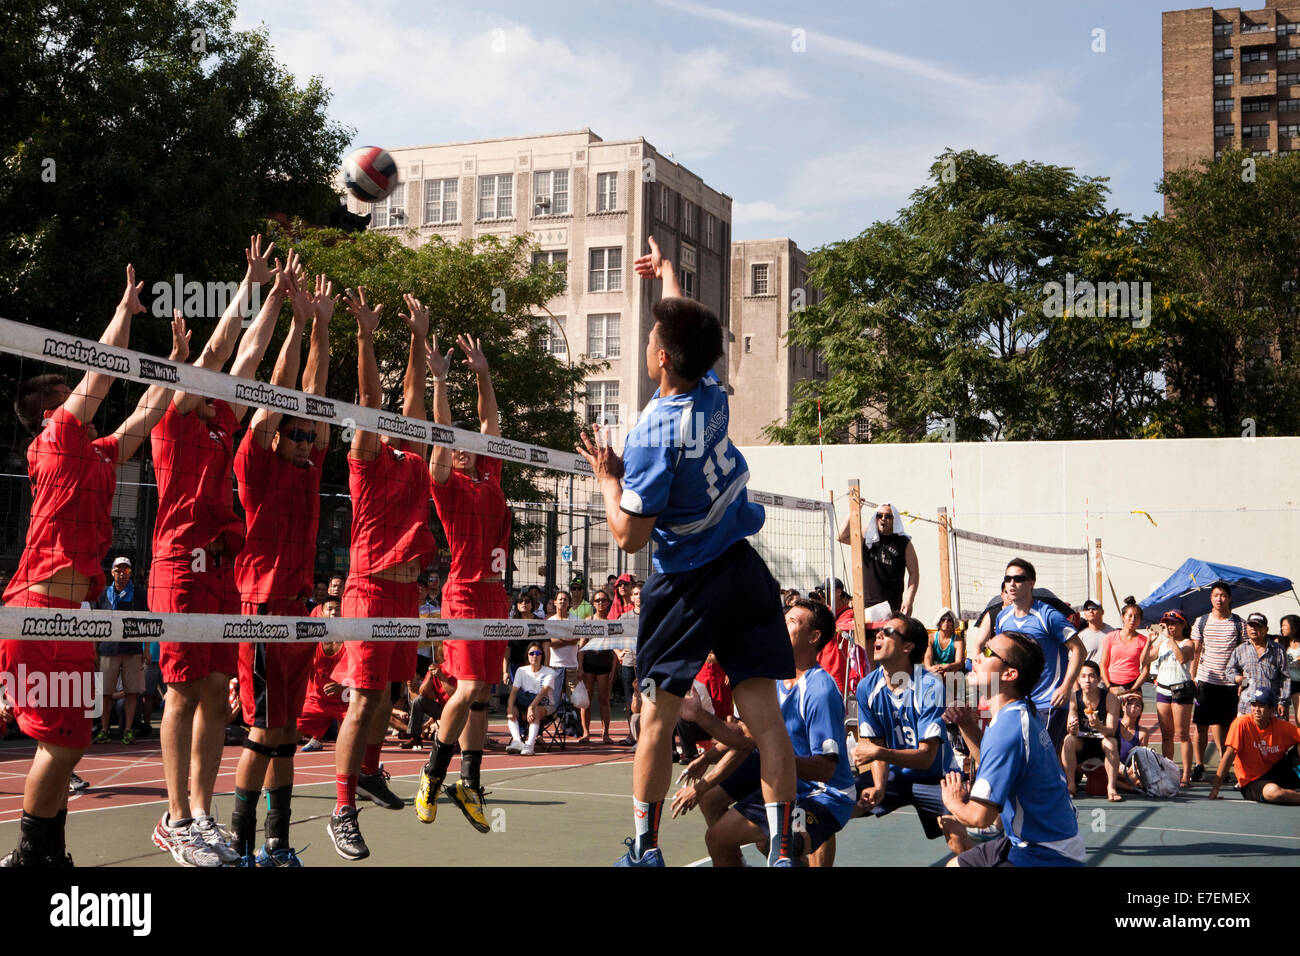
(905, 718)
(680, 467)
(813, 711)
(1051, 630)
(1020, 773)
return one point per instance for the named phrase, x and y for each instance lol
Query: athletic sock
(440, 759)
(243, 820)
(647, 826)
(513, 724)
(34, 835)
(635, 724)
(277, 815)
(532, 733)
(780, 817)
(470, 763)
(345, 785)
(370, 761)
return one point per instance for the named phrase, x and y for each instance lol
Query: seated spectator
(1259, 662)
(1290, 641)
(1131, 734)
(1172, 652)
(715, 697)
(947, 651)
(1091, 728)
(324, 706)
(532, 700)
(1263, 752)
(597, 668)
(428, 696)
(1122, 662)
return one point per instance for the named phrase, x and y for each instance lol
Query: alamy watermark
(1124, 300)
(55, 689)
(198, 300)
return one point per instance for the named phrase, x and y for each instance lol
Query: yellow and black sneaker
(470, 801)
(426, 798)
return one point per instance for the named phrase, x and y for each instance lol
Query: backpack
(1158, 776)
(568, 718)
(1198, 627)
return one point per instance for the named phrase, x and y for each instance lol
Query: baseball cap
(121, 560)
(1263, 697)
(1259, 619)
(1090, 605)
(577, 582)
(1174, 615)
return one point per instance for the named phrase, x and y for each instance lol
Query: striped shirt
(1219, 638)
(1260, 670)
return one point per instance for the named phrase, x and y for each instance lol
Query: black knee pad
(478, 705)
(263, 749)
(285, 750)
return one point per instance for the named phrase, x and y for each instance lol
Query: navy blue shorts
(927, 798)
(729, 606)
(744, 780)
(818, 824)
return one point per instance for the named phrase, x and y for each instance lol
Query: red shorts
(317, 715)
(63, 726)
(273, 677)
(373, 665)
(175, 587)
(475, 660)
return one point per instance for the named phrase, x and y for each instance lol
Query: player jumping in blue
(681, 480)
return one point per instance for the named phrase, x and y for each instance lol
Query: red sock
(370, 762)
(346, 785)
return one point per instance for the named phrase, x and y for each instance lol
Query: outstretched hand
(180, 338)
(131, 297)
(604, 461)
(323, 301)
(259, 269)
(418, 318)
(439, 364)
(650, 266)
(475, 360)
(367, 318)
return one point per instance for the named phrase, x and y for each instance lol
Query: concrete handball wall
(1233, 501)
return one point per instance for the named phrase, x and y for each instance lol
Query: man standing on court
(279, 472)
(196, 538)
(1063, 652)
(887, 554)
(73, 474)
(472, 508)
(683, 482)
(1216, 636)
(391, 543)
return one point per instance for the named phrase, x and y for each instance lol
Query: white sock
(513, 724)
(532, 733)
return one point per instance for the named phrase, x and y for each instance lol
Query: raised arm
(316, 375)
(153, 403)
(266, 420)
(221, 344)
(86, 398)
(365, 445)
(630, 532)
(655, 266)
(417, 322)
(489, 419)
(439, 365)
(257, 337)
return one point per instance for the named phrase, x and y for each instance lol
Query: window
(1226, 129)
(1291, 129)
(758, 280)
(606, 192)
(605, 272)
(749, 344)
(1288, 79)
(1254, 78)
(1254, 132)
(710, 224)
(1260, 152)
(1285, 56)
(496, 197)
(603, 336)
(552, 257)
(602, 403)
(690, 217)
(1223, 79)
(440, 200)
(1286, 29)
(1223, 29)
(1223, 106)
(1255, 28)
(550, 336)
(391, 211)
(1223, 53)
(687, 270)
(1288, 106)
(551, 193)
(665, 204)
(1255, 106)
(1257, 56)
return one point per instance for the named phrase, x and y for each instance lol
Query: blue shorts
(729, 606)
(927, 798)
(744, 780)
(819, 825)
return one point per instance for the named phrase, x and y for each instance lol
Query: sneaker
(75, 783)
(277, 856)
(470, 801)
(171, 838)
(651, 857)
(346, 835)
(102, 736)
(374, 787)
(311, 746)
(426, 798)
(128, 738)
(216, 840)
(528, 750)
(1198, 773)
(515, 746)
(191, 849)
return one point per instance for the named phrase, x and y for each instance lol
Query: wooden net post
(945, 572)
(1097, 573)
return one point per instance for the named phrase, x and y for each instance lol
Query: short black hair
(1024, 566)
(1092, 665)
(1223, 586)
(35, 395)
(915, 633)
(823, 624)
(1027, 658)
(691, 335)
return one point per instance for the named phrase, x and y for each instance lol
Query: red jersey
(390, 511)
(196, 499)
(473, 511)
(282, 505)
(73, 480)
(322, 666)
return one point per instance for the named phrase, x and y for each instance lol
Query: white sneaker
(208, 832)
(528, 750)
(515, 746)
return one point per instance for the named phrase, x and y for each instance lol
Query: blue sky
(815, 145)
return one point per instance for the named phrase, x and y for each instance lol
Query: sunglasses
(299, 435)
(606, 601)
(988, 651)
(890, 632)
(1018, 578)
(534, 653)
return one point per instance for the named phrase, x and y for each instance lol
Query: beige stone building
(1231, 80)
(769, 281)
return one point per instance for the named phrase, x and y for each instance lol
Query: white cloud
(743, 213)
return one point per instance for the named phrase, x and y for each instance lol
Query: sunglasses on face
(299, 434)
(988, 651)
(1018, 578)
(890, 632)
(534, 653)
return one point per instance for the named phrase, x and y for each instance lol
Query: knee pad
(478, 705)
(285, 750)
(263, 749)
